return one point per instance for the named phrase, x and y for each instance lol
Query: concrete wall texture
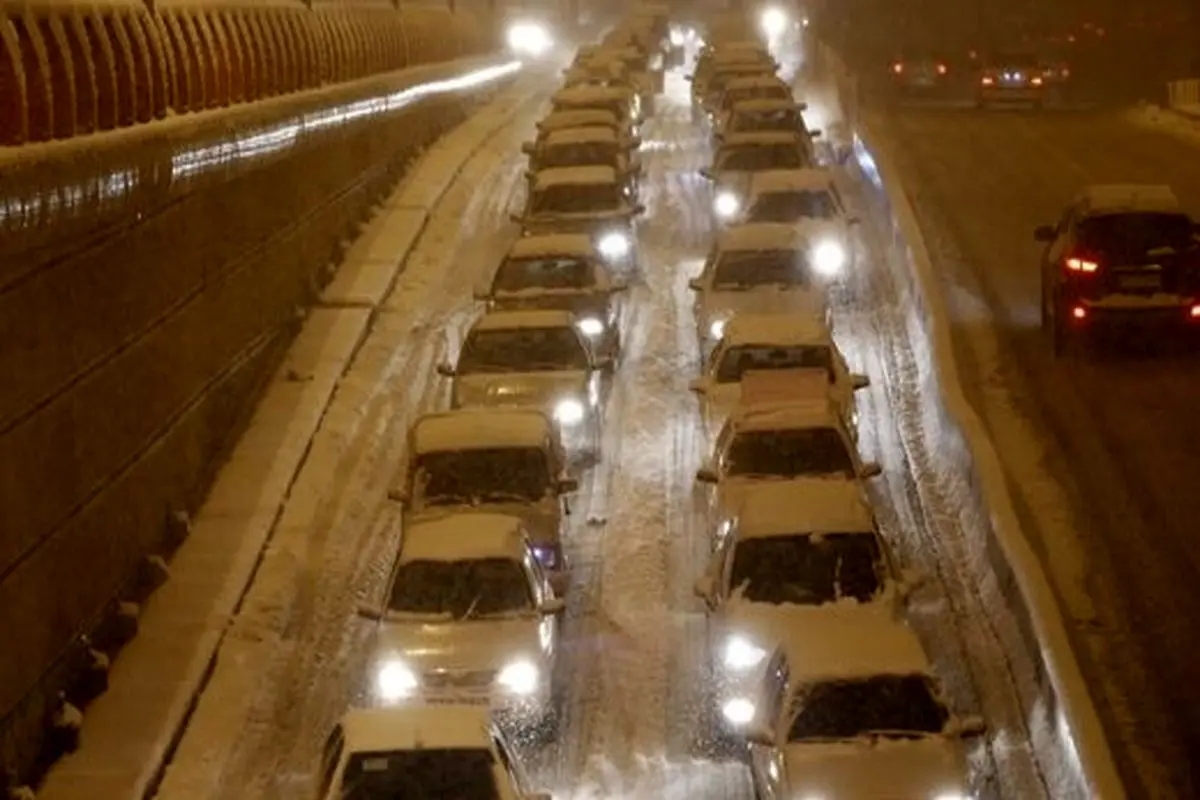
(137, 323)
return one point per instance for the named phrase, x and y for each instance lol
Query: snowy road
(1109, 488)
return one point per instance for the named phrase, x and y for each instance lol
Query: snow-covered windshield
(424, 773)
(1133, 235)
(551, 272)
(808, 570)
(780, 120)
(899, 706)
(789, 453)
(578, 199)
(748, 269)
(741, 93)
(617, 107)
(792, 206)
(522, 350)
(463, 589)
(469, 477)
(579, 154)
(760, 157)
(757, 357)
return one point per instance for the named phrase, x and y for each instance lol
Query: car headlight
(590, 326)
(774, 22)
(520, 677)
(829, 258)
(717, 329)
(528, 38)
(726, 205)
(677, 37)
(741, 654)
(615, 245)
(395, 681)
(739, 711)
(568, 412)
(954, 796)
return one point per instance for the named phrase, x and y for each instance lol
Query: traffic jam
(815, 679)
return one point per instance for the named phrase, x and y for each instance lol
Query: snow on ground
(1184, 125)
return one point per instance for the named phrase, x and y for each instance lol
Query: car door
(512, 783)
(773, 700)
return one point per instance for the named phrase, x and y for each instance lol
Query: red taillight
(1037, 80)
(897, 68)
(1195, 312)
(987, 80)
(941, 68)
(1075, 264)
(1079, 312)
(1066, 73)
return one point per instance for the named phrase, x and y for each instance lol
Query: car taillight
(897, 68)
(941, 68)
(987, 80)
(1079, 312)
(1037, 80)
(1194, 313)
(1077, 264)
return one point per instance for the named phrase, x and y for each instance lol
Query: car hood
(519, 388)
(731, 492)
(478, 645)
(934, 766)
(542, 517)
(581, 301)
(735, 181)
(762, 300)
(577, 222)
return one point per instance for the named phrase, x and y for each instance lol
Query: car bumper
(1133, 311)
(519, 711)
(1012, 95)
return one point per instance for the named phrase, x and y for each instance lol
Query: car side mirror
(707, 174)
(618, 286)
(552, 605)
(567, 485)
(399, 496)
(695, 285)
(603, 363)
(635, 142)
(699, 386)
(854, 220)
(966, 727)
(517, 218)
(482, 294)
(815, 133)
(707, 475)
(1044, 233)
(871, 470)
(757, 733)
(859, 381)
(639, 209)
(802, 106)
(445, 370)
(529, 175)
(369, 612)
(690, 78)
(527, 148)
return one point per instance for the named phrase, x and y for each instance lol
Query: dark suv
(1121, 255)
(919, 72)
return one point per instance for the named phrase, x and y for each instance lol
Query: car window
(776, 680)
(423, 774)
(901, 707)
(779, 120)
(791, 206)
(808, 569)
(502, 474)
(751, 268)
(522, 350)
(759, 157)
(789, 453)
(551, 272)
(741, 93)
(1135, 235)
(577, 198)
(736, 361)
(466, 589)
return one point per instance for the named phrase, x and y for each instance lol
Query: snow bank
(1064, 727)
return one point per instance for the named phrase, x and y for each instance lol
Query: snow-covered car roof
(739, 50)
(806, 505)
(591, 94)
(760, 236)
(461, 536)
(850, 640)
(744, 138)
(791, 180)
(577, 245)
(791, 329)
(801, 414)
(417, 726)
(1118, 198)
(756, 82)
(590, 175)
(526, 318)
(578, 118)
(582, 135)
(764, 104)
(480, 429)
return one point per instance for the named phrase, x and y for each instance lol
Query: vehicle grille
(459, 679)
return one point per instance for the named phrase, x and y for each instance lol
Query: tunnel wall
(149, 279)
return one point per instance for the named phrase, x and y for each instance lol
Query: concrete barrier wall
(137, 324)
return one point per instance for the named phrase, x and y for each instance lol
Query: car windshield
(748, 269)
(780, 120)
(617, 107)
(550, 272)
(741, 93)
(1117, 236)
(893, 706)
(463, 589)
(808, 569)
(742, 69)
(584, 198)
(425, 774)
(470, 477)
(578, 154)
(522, 350)
(789, 453)
(738, 360)
(793, 206)
(579, 119)
(760, 157)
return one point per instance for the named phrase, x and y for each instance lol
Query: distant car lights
(529, 39)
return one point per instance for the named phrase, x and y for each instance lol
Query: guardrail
(1071, 748)
(1184, 95)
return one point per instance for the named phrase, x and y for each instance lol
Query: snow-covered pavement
(1101, 451)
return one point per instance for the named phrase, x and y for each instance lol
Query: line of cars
(816, 677)
(1002, 77)
(467, 636)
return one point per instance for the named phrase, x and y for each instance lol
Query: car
(499, 461)
(644, 77)
(623, 102)
(758, 116)
(588, 118)
(448, 750)
(469, 616)
(856, 712)
(757, 343)
(921, 72)
(533, 358)
(1012, 78)
(758, 268)
(723, 74)
(562, 271)
(733, 61)
(740, 155)
(752, 87)
(807, 197)
(581, 147)
(780, 441)
(1121, 255)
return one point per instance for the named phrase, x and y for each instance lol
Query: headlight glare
(774, 22)
(519, 677)
(395, 681)
(738, 711)
(568, 412)
(615, 245)
(529, 38)
(829, 258)
(741, 654)
(717, 329)
(726, 205)
(590, 326)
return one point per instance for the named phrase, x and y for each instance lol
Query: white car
(533, 359)
(587, 118)
(780, 441)
(581, 147)
(807, 197)
(765, 268)
(469, 616)
(855, 713)
(773, 342)
(624, 102)
(421, 751)
(740, 155)
(759, 116)
(491, 461)
(562, 271)
(749, 87)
